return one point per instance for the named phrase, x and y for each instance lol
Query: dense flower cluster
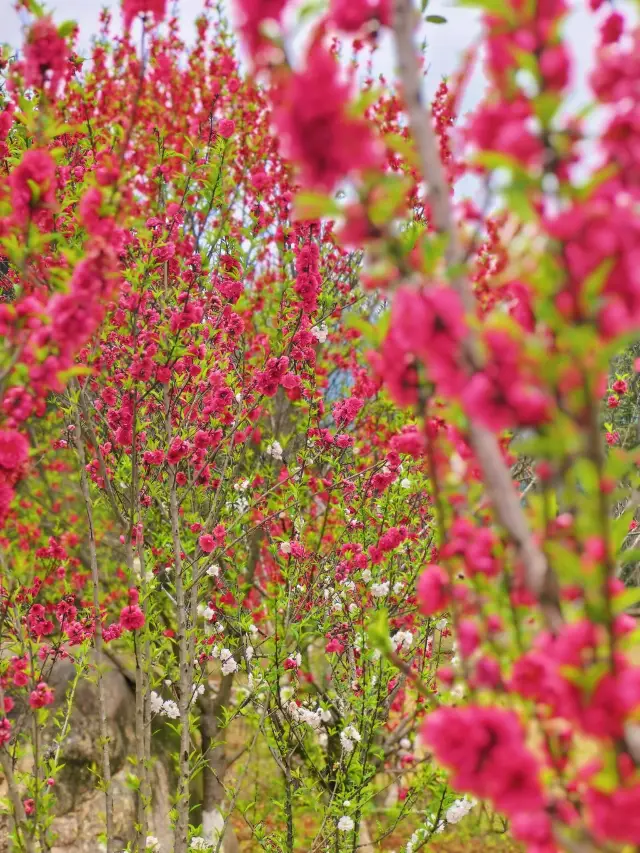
(255, 408)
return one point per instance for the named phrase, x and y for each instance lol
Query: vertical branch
(539, 577)
(214, 736)
(19, 817)
(184, 658)
(95, 582)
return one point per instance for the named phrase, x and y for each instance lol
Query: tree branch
(539, 577)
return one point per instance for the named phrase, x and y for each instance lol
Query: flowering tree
(280, 417)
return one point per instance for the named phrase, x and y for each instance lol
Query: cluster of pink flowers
(318, 132)
(493, 762)
(131, 617)
(46, 57)
(157, 9)
(308, 279)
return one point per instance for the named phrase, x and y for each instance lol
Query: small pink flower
(433, 590)
(41, 696)
(207, 543)
(131, 617)
(226, 126)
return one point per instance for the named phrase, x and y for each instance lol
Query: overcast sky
(445, 42)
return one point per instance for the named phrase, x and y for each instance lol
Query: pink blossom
(346, 411)
(38, 168)
(207, 543)
(45, 56)
(319, 134)
(14, 450)
(226, 127)
(131, 617)
(486, 751)
(253, 14)
(433, 590)
(351, 15)
(132, 8)
(41, 696)
(5, 731)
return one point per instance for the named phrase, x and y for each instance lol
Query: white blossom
(274, 450)
(229, 666)
(305, 715)
(366, 575)
(459, 809)
(348, 736)
(241, 505)
(441, 624)
(170, 709)
(345, 824)
(347, 743)
(208, 614)
(156, 702)
(457, 464)
(213, 571)
(199, 843)
(152, 844)
(320, 333)
(403, 639)
(285, 547)
(405, 483)
(379, 590)
(398, 587)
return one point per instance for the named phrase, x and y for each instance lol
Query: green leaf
(435, 19)
(498, 160)
(378, 631)
(390, 194)
(433, 249)
(498, 8)
(596, 180)
(593, 284)
(518, 203)
(545, 106)
(365, 99)
(401, 146)
(66, 28)
(313, 205)
(627, 599)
